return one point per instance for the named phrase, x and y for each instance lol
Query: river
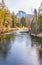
(20, 49)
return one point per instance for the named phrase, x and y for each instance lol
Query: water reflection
(38, 43)
(20, 49)
(5, 44)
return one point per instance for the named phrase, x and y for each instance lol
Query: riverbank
(22, 30)
(37, 35)
(7, 30)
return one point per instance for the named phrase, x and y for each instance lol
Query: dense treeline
(20, 22)
(10, 20)
(5, 19)
(36, 25)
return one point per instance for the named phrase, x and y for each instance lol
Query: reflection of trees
(38, 43)
(40, 56)
(5, 44)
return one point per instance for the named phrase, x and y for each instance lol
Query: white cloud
(25, 5)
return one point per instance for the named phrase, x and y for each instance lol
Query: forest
(10, 20)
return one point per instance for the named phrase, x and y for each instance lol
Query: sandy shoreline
(7, 30)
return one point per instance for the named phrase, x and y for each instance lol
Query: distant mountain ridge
(21, 14)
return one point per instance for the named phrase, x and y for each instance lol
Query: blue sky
(25, 5)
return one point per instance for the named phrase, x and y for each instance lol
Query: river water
(20, 49)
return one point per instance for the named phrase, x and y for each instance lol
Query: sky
(24, 5)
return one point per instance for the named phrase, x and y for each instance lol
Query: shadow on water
(5, 44)
(38, 43)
